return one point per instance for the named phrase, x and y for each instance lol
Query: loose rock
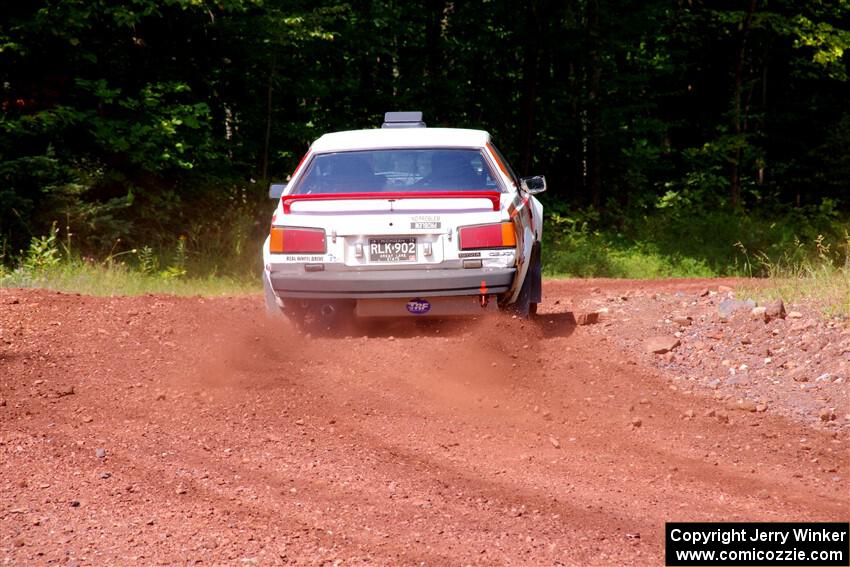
(66, 391)
(661, 345)
(803, 325)
(729, 306)
(775, 310)
(590, 318)
(827, 415)
(100, 453)
(800, 374)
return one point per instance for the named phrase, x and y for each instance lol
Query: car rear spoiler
(492, 196)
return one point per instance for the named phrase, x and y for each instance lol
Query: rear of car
(400, 222)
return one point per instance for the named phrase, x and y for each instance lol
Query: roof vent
(403, 120)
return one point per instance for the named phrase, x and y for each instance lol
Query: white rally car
(403, 221)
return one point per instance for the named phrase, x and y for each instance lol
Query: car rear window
(403, 170)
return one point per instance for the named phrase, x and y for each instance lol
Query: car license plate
(392, 249)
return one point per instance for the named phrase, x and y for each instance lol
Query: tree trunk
(433, 32)
(528, 99)
(594, 127)
(434, 74)
(734, 165)
(266, 144)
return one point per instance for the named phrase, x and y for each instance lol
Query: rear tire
(525, 306)
(522, 306)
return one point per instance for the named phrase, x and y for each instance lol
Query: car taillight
(500, 235)
(287, 240)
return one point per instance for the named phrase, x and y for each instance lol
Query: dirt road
(160, 430)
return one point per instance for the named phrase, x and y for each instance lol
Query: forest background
(678, 138)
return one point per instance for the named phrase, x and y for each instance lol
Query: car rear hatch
(396, 230)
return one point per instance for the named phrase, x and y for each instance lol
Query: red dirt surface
(162, 430)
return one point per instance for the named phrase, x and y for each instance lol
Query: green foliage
(157, 129)
(100, 278)
(46, 264)
(572, 248)
(681, 238)
(177, 269)
(42, 254)
(148, 261)
(815, 272)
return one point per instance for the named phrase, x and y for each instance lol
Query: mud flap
(273, 310)
(536, 274)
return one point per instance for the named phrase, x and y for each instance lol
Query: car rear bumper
(390, 283)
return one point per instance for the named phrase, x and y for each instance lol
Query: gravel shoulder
(163, 430)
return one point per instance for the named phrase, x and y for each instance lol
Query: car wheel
(530, 293)
(522, 306)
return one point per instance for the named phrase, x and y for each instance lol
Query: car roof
(401, 138)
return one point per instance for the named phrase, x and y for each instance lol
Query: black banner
(757, 544)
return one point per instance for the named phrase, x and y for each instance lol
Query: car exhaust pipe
(327, 310)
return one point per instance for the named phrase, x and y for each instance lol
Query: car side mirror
(533, 185)
(276, 190)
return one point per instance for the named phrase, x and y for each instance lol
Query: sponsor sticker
(418, 306)
(419, 225)
(305, 258)
(425, 222)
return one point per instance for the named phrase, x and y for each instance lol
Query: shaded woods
(684, 126)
